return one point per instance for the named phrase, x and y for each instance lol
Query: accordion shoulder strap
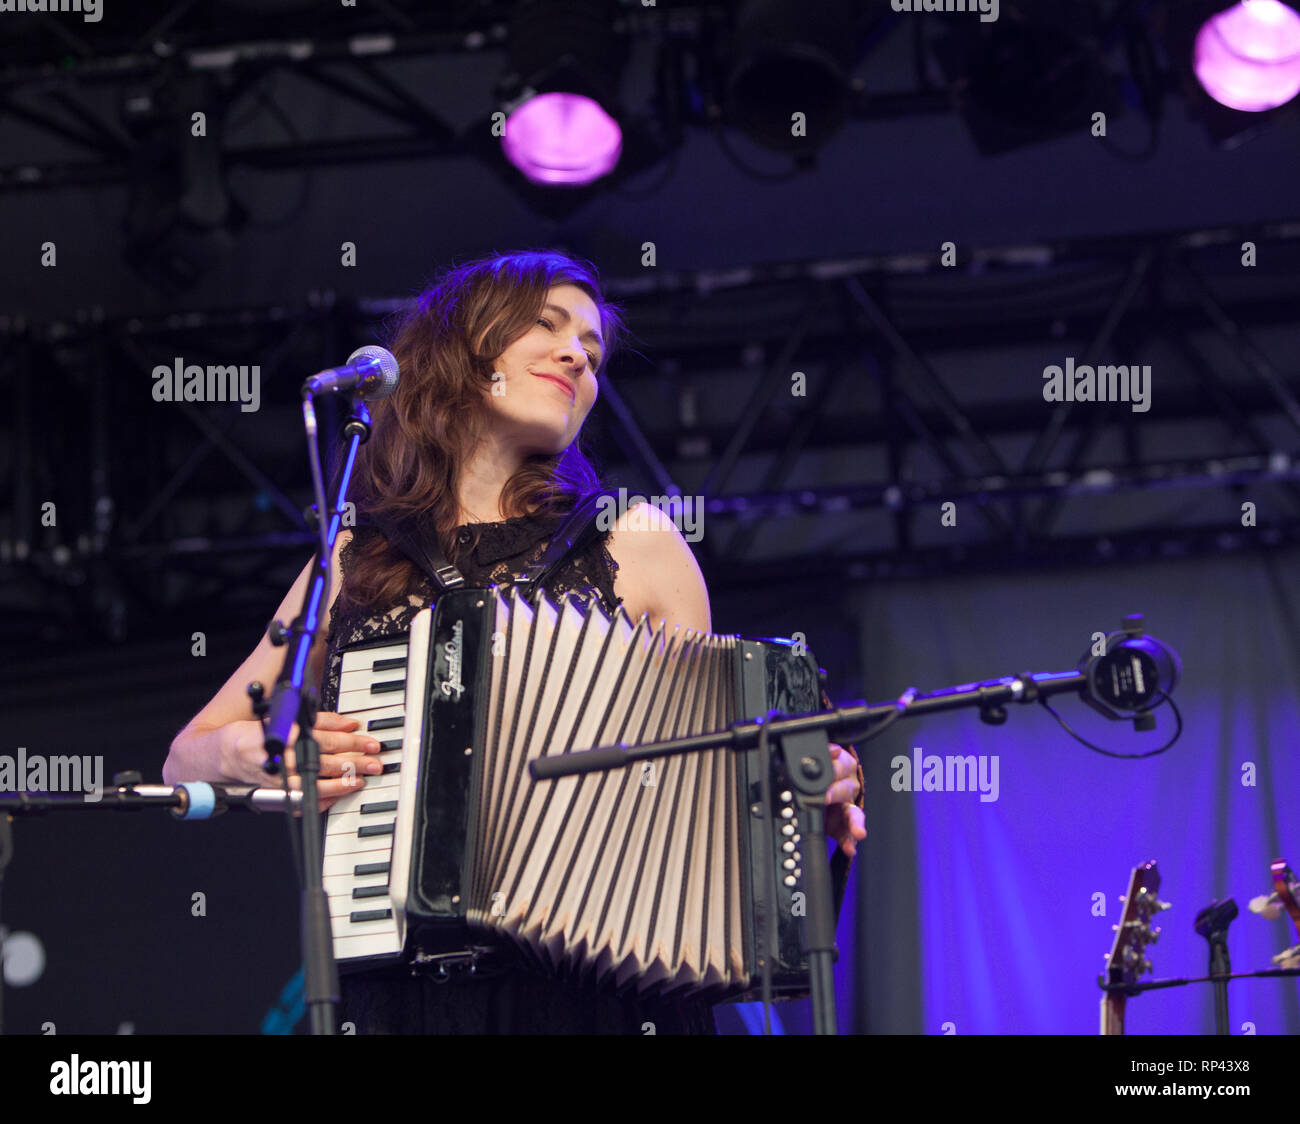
(570, 537)
(420, 545)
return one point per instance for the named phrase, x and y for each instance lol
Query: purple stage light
(562, 139)
(1248, 57)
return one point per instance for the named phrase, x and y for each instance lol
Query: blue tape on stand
(203, 800)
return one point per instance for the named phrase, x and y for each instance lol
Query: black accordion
(669, 876)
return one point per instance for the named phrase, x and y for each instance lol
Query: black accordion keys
(669, 876)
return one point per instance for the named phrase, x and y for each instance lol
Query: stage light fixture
(1247, 57)
(562, 127)
(1235, 63)
(560, 139)
(181, 218)
(1035, 74)
(786, 58)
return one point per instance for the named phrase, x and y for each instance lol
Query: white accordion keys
(359, 829)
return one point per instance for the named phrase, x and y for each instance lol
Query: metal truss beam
(907, 409)
(785, 461)
(1214, 472)
(148, 557)
(166, 45)
(1128, 548)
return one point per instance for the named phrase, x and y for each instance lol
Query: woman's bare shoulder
(657, 572)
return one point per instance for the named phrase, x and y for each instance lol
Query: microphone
(1131, 676)
(372, 370)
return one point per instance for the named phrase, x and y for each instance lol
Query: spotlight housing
(566, 60)
(786, 58)
(1247, 57)
(561, 139)
(181, 218)
(1035, 74)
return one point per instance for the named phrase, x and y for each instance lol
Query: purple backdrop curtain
(985, 917)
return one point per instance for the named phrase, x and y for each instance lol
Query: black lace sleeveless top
(500, 556)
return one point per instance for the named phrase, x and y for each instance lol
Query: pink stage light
(1248, 57)
(562, 139)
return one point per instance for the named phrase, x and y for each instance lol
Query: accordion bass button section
(667, 876)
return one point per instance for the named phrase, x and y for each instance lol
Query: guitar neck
(1112, 1013)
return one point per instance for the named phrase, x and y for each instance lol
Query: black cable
(900, 708)
(322, 515)
(1178, 718)
(720, 135)
(318, 494)
(295, 840)
(669, 164)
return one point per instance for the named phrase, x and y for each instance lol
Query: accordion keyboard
(359, 828)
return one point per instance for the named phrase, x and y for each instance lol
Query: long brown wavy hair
(424, 431)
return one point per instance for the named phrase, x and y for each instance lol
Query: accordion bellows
(668, 875)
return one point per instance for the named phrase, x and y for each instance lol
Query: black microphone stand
(803, 744)
(1212, 923)
(291, 702)
(194, 800)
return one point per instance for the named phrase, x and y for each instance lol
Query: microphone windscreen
(389, 371)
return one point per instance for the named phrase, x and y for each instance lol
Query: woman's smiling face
(549, 383)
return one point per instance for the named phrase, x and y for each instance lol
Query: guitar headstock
(1287, 888)
(1126, 960)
